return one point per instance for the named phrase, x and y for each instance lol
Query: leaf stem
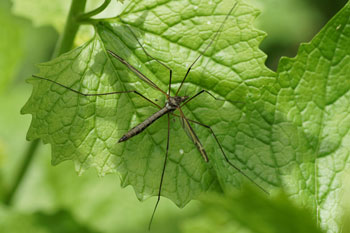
(27, 159)
(66, 41)
(64, 44)
(88, 15)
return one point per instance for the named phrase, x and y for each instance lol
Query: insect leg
(153, 58)
(206, 48)
(202, 91)
(163, 172)
(225, 156)
(97, 94)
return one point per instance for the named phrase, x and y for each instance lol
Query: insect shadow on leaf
(173, 103)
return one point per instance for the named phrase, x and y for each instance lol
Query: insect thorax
(175, 102)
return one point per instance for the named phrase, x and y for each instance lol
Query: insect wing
(193, 136)
(136, 71)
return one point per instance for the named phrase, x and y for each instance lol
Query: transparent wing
(193, 136)
(136, 71)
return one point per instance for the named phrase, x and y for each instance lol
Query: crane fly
(172, 104)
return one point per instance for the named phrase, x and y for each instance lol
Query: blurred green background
(55, 199)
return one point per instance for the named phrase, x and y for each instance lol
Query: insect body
(171, 105)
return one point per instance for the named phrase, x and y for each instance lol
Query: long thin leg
(225, 156)
(163, 172)
(210, 43)
(202, 91)
(205, 91)
(149, 55)
(98, 94)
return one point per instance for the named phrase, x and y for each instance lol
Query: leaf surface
(86, 129)
(311, 123)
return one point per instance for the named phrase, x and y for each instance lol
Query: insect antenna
(208, 46)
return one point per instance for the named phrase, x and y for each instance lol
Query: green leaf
(86, 129)
(311, 123)
(250, 211)
(291, 131)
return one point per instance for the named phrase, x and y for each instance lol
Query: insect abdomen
(143, 125)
